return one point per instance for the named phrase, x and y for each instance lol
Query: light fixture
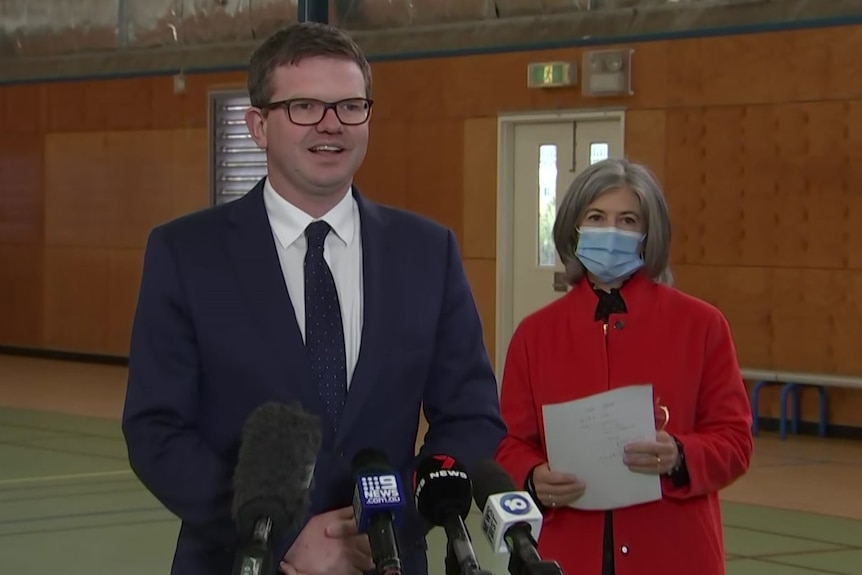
(607, 73)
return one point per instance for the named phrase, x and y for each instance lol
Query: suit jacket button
(619, 324)
(624, 550)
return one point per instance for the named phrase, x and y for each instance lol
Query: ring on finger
(657, 460)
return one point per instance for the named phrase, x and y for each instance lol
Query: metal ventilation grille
(236, 162)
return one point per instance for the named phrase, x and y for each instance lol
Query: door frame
(506, 124)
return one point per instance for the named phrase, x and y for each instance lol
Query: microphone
(443, 497)
(378, 503)
(271, 481)
(511, 521)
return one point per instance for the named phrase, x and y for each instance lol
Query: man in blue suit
(303, 290)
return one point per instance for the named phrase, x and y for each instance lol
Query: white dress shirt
(342, 251)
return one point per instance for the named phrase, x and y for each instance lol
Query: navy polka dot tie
(324, 332)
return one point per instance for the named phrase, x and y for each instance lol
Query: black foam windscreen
(489, 478)
(442, 489)
(369, 459)
(280, 443)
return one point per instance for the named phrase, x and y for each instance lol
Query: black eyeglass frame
(285, 104)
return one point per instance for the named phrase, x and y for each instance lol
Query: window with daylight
(598, 152)
(547, 253)
(236, 163)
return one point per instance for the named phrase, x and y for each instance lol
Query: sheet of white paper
(586, 437)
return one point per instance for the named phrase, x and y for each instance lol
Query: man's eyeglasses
(309, 112)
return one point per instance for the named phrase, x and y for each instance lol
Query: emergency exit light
(551, 74)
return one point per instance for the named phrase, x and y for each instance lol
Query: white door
(548, 156)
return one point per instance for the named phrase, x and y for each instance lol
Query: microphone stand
(455, 558)
(518, 566)
(525, 560)
(452, 567)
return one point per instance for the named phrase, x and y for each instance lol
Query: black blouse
(609, 302)
(612, 302)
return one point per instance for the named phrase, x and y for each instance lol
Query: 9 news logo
(515, 504)
(380, 490)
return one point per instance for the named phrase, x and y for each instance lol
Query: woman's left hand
(657, 457)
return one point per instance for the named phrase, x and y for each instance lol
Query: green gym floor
(69, 503)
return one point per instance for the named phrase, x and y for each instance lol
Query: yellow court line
(64, 477)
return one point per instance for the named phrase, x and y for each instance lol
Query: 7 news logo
(380, 489)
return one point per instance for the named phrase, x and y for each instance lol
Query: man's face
(318, 160)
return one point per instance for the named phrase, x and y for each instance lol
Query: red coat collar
(639, 293)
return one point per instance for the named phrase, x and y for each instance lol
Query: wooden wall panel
(22, 121)
(435, 178)
(89, 298)
(407, 91)
(645, 137)
(107, 189)
(480, 189)
(93, 106)
(744, 295)
(479, 243)
(416, 166)
(21, 185)
(104, 191)
(124, 276)
(21, 295)
(770, 187)
(131, 103)
(23, 109)
(482, 275)
(757, 139)
(76, 288)
(383, 176)
(787, 319)
(80, 210)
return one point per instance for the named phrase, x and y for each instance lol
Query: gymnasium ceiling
(70, 38)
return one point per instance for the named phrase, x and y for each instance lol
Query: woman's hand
(556, 489)
(656, 457)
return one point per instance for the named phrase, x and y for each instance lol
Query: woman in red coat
(622, 324)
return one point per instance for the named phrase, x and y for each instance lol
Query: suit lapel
(371, 354)
(252, 250)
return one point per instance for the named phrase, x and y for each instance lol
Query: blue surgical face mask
(609, 253)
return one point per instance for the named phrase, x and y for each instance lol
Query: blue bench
(790, 384)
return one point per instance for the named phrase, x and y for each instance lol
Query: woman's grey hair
(593, 182)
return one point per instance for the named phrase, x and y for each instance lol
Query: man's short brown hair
(296, 42)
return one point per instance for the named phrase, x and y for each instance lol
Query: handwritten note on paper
(586, 437)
